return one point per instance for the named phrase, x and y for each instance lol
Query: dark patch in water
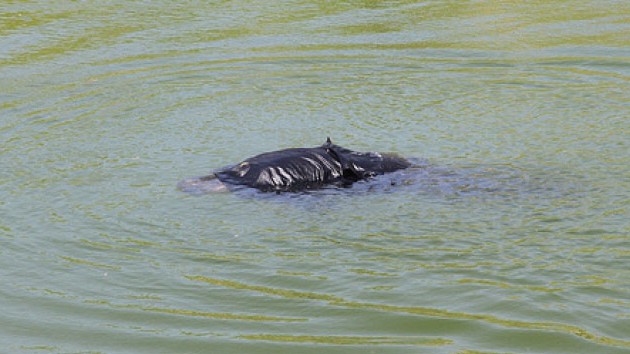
(426, 179)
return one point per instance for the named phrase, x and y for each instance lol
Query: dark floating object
(298, 169)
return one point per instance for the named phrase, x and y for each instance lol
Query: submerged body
(299, 169)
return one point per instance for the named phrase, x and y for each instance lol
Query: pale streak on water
(515, 238)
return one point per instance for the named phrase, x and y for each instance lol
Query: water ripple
(422, 311)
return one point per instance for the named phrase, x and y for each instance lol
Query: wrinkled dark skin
(299, 169)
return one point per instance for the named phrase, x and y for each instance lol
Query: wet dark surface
(424, 178)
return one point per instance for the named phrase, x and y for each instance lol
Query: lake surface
(513, 236)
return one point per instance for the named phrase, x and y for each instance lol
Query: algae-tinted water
(514, 237)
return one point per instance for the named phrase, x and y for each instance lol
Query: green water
(519, 243)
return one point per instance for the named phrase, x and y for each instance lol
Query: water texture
(510, 236)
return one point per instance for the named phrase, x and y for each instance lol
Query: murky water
(512, 238)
